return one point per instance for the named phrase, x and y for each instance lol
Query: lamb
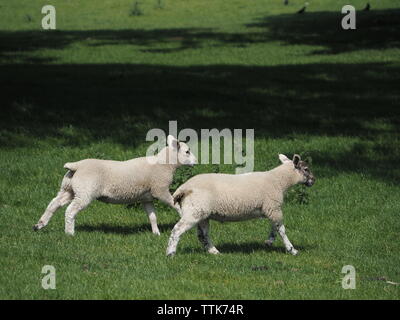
(120, 182)
(225, 197)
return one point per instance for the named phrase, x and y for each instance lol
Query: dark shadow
(19, 44)
(124, 230)
(376, 29)
(79, 104)
(246, 248)
(250, 247)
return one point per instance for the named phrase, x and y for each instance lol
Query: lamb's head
(301, 169)
(180, 151)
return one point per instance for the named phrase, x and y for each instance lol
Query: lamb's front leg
(151, 212)
(288, 244)
(272, 236)
(276, 218)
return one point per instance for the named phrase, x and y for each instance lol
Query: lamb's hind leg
(181, 227)
(151, 212)
(63, 197)
(75, 206)
(203, 234)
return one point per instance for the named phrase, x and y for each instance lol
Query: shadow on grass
(77, 105)
(82, 103)
(246, 248)
(123, 230)
(250, 247)
(20, 44)
(377, 29)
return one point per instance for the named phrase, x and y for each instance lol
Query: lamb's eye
(188, 152)
(306, 170)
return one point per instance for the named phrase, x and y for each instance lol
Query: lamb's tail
(72, 166)
(180, 194)
(66, 183)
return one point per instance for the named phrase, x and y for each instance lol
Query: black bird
(367, 7)
(302, 10)
(285, 2)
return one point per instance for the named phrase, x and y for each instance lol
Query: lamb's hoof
(37, 227)
(70, 234)
(171, 254)
(293, 251)
(157, 233)
(269, 243)
(213, 251)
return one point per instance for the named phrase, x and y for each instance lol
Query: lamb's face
(185, 156)
(305, 173)
(181, 152)
(302, 169)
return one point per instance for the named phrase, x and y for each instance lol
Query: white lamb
(120, 182)
(226, 197)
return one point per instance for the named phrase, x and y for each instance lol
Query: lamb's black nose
(310, 182)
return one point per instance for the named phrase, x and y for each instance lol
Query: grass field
(97, 84)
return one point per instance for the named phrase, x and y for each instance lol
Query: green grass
(96, 85)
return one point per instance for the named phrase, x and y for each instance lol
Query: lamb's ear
(283, 158)
(172, 142)
(296, 160)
